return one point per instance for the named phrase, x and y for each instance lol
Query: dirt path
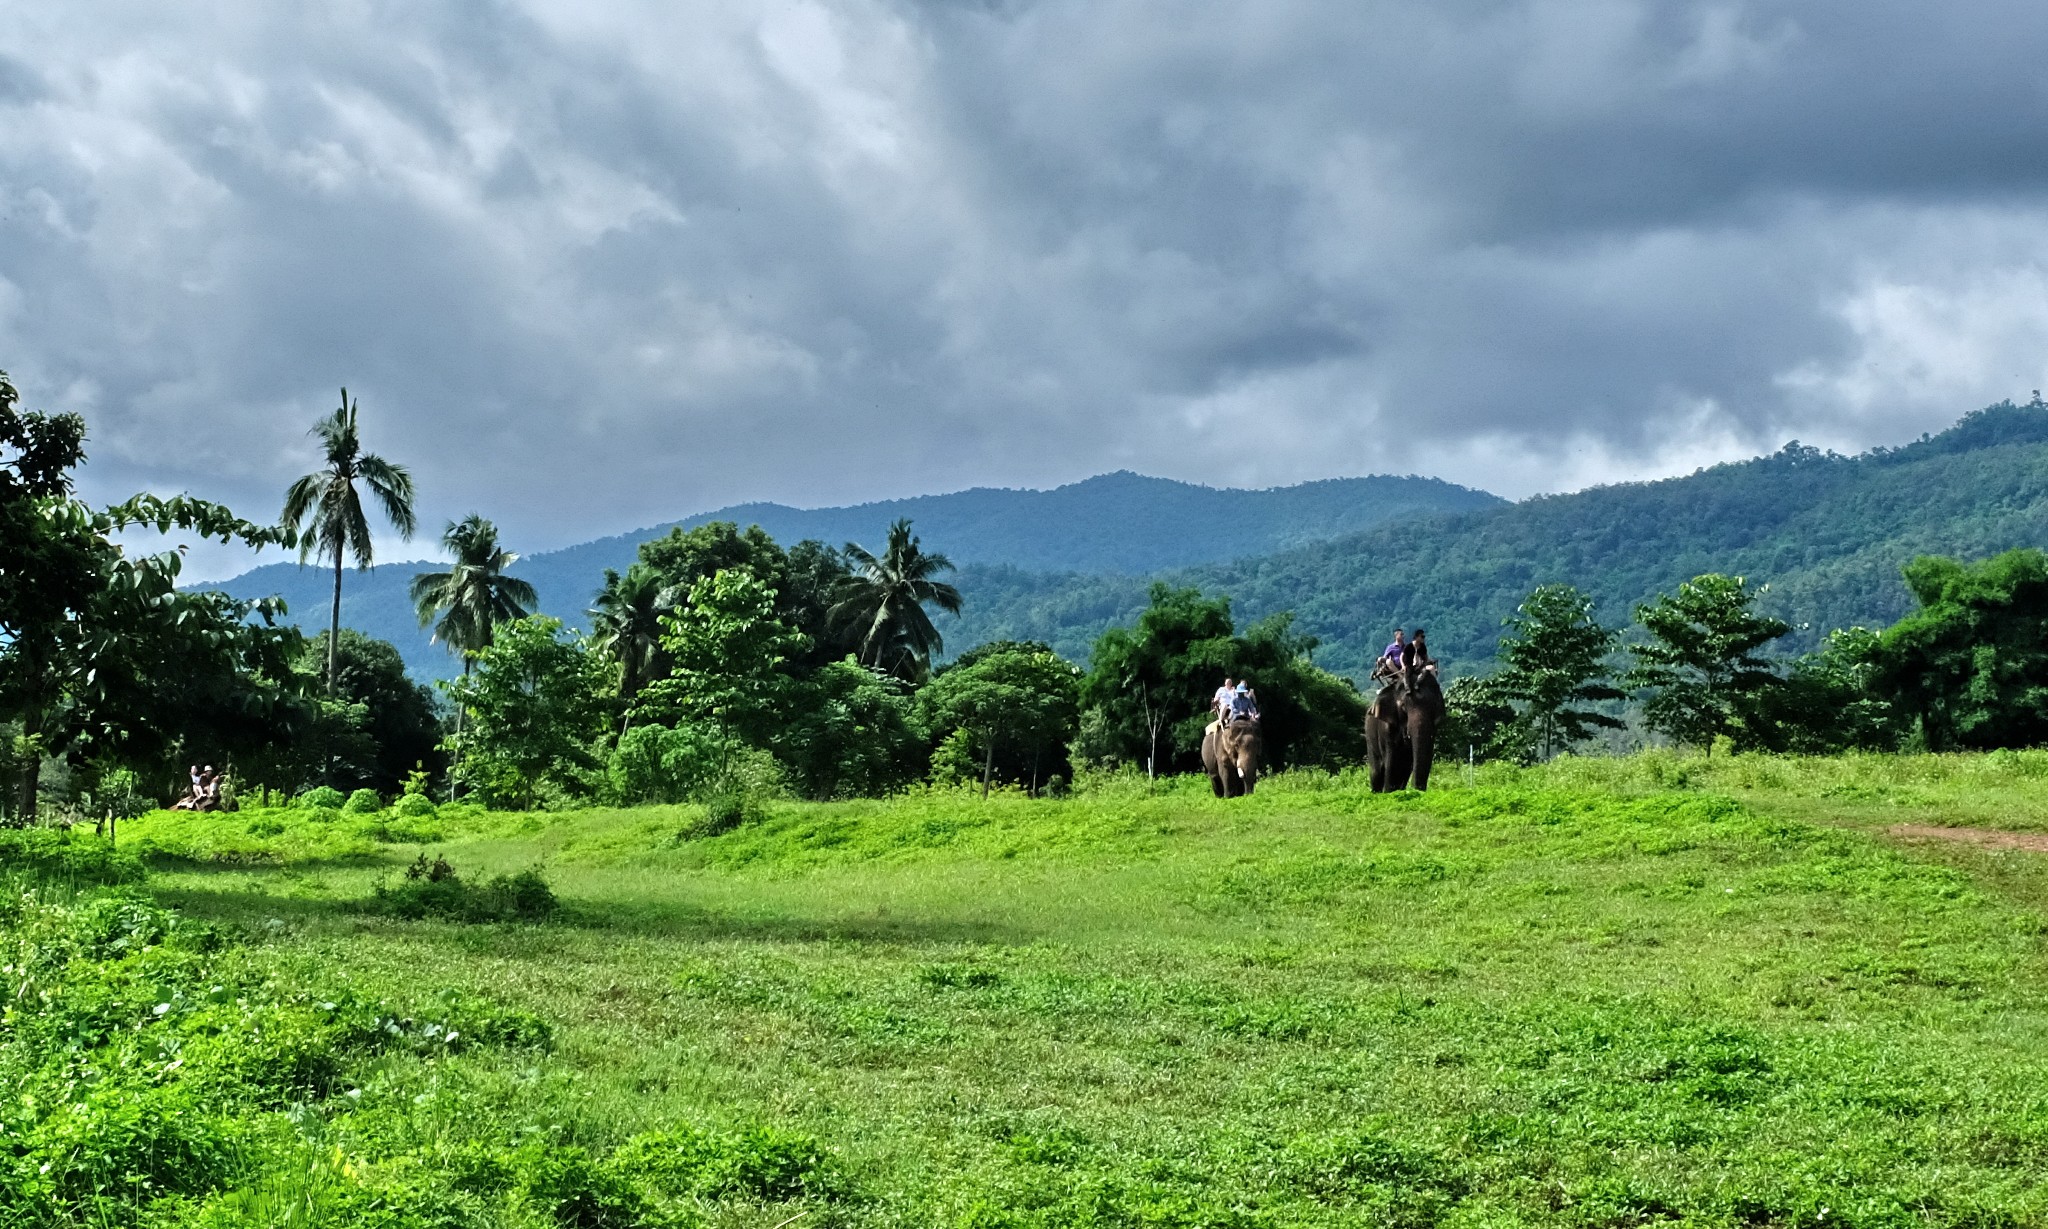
(1983, 838)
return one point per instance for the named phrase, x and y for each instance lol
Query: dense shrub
(363, 802)
(414, 806)
(321, 797)
(434, 889)
(576, 1192)
(760, 1163)
(726, 811)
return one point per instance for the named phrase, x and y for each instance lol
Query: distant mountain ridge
(1115, 523)
(1826, 533)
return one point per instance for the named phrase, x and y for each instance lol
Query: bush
(576, 1192)
(760, 1163)
(414, 806)
(55, 853)
(434, 889)
(363, 802)
(724, 812)
(321, 797)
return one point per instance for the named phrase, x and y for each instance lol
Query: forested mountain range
(1827, 533)
(1121, 523)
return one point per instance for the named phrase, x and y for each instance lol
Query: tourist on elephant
(1396, 654)
(1418, 653)
(1220, 702)
(1244, 702)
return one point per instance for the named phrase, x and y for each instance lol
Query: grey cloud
(600, 264)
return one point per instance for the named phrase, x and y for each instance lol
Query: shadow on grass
(661, 921)
(185, 864)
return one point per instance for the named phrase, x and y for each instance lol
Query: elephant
(1386, 737)
(1230, 755)
(1400, 730)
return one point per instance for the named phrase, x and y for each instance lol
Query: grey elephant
(1230, 755)
(1400, 729)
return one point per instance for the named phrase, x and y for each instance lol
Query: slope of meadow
(1603, 993)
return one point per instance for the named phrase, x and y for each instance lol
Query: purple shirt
(1396, 650)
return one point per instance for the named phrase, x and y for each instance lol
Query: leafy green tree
(854, 732)
(685, 556)
(1480, 720)
(1308, 716)
(625, 625)
(536, 713)
(1971, 665)
(100, 655)
(1150, 685)
(1829, 702)
(1553, 663)
(665, 764)
(815, 582)
(1024, 700)
(1149, 679)
(1701, 662)
(326, 509)
(883, 605)
(389, 725)
(727, 651)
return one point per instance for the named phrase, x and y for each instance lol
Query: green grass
(1598, 993)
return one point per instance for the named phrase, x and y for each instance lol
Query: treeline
(721, 664)
(1966, 670)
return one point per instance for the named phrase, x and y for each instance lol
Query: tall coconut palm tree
(883, 605)
(327, 510)
(626, 623)
(472, 597)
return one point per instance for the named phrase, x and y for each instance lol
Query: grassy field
(1653, 990)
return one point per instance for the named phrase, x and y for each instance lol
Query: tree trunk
(988, 764)
(31, 769)
(459, 706)
(1034, 772)
(334, 623)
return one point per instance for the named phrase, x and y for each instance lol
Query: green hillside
(1116, 523)
(1826, 532)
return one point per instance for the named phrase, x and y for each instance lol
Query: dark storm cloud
(597, 264)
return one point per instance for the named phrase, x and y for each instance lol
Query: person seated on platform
(1244, 702)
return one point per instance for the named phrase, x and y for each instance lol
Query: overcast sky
(594, 264)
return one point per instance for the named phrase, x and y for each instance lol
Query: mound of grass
(65, 856)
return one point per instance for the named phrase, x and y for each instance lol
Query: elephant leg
(1376, 758)
(1249, 776)
(1425, 755)
(1399, 767)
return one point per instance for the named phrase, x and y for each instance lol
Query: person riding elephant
(1230, 754)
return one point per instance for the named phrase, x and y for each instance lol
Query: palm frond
(392, 485)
